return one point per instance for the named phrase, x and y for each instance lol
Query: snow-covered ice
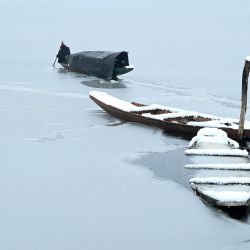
(66, 177)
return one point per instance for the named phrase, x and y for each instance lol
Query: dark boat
(172, 120)
(103, 64)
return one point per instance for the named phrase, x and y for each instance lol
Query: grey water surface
(71, 176)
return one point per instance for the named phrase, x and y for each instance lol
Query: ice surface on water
(76, 191)
(43, 92)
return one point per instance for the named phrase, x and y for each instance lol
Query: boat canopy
(98, 63)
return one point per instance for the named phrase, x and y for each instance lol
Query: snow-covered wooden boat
(181, 122)
(221, 171)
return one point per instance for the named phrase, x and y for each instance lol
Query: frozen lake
(72, 177)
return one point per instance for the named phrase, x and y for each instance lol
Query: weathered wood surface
(245, 75)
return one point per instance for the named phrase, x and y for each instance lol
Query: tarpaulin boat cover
(97, 63)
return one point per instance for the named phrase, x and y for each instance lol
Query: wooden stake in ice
(245, 75)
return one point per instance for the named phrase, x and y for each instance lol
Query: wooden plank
(229, 166)
(220, 180)
(227, 197)
(217, 152)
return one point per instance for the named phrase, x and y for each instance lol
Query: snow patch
(228, 196)
(217, 152)
(124, 105)
(212, 135)
(220, 180)
(154, 107)
(232, 166)
(220, 123)
(172, 115)
(130, 67)
(112, 101)
(248, 58)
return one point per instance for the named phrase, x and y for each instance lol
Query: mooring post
(245, 75)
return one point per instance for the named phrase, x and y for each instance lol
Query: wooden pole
(54, 62)
(245, 75)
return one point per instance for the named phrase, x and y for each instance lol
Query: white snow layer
(127, 106)
(232, 166)
(248, 58)
(217, 152)
(228, 196)
(180, 114)
(212, 132)
(151, 107)
(212, 135)
(113, 101)
(220, 180)
(130, 67)
(220, 123)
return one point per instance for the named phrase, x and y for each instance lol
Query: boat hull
(186, 131)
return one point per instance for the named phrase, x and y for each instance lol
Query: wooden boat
(103, 64)
(172, 120)
(221, 171)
